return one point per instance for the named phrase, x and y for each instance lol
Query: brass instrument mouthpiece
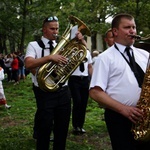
(136, 37)
(55, 35)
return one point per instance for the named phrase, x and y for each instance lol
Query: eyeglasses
(52, 18)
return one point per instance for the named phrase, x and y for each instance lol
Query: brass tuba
(51, 76)
(141, 130)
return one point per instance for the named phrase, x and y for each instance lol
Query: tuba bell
(52, 76)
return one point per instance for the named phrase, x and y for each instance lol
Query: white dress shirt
(77, 72)
(113, 74)
(35, 51)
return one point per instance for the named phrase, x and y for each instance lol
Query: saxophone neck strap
(138, 72)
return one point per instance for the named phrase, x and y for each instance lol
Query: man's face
(123, 32)
(50, 29)
(109, 39)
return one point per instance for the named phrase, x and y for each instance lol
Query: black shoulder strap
(138, 72)
(41, 44)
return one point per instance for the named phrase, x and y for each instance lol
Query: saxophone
(51, 76)
(141, 130)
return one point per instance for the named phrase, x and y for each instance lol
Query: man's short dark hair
(117, 18)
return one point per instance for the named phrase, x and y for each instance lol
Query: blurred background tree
(21, 20)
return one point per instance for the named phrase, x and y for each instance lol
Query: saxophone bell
(141, 129)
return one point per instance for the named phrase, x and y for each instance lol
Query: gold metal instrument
(52, 76)
(138, 37)
(141, 129)
(142, 42)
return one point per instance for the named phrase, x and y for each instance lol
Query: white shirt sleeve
(32, 50)
(100, 74)
(1, 74)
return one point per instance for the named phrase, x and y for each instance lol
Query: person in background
(95, 53)
(3, 100)
(53, 108)
(7, 61)
(109, 39)
(15, 67)
(79, 87)
(21, 70)
(2, 64)
(115, 86)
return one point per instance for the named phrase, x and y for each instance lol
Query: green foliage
(21, 20)
(16, 124)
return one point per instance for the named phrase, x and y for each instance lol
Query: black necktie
(82, 67)
(138, 72)
(51, 45)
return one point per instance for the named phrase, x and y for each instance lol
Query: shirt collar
(122, 47)
(45, 41)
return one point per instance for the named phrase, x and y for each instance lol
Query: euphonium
(51, 76)
(141, 129)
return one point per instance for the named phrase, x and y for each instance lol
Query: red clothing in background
(15, 64)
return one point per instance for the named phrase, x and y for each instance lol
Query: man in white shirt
(115, 87)
(53, 108)
(79, 87)
(109, 39)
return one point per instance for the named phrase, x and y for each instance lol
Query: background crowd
(13, 65)
(13, 70)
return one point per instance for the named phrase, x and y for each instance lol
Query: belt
(61, 88)
(80, 77)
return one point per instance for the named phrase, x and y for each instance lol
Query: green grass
(16, 124)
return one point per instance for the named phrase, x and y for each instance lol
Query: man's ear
(114, 31)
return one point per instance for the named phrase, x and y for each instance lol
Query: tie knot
(127, 49)
(51, 45)
(50, 42)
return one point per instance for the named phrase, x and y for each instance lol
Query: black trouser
(53, 113)
(79, 87)
(9, 72)
(15, 75)
(119, 128)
